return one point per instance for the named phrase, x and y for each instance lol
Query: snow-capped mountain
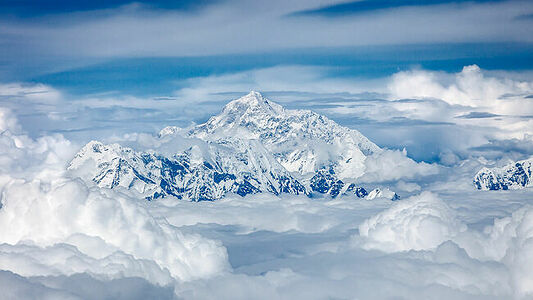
(301, 140)
(241, 167)
(512, 176)
(382, 193)
(254, 145)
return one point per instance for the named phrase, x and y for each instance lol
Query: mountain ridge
(302, 141)
(515, 175)
(254, 145)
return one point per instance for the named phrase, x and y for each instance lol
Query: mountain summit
(252, 103)
(254, 145)
(302, 141)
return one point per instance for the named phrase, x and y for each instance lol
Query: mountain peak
(302, 141)
(515, 175)
(253, 102)
(254, 145)
(254, 94)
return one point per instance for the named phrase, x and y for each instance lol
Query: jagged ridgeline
(253, 146)
(512, 176)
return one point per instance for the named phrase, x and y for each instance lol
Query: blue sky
(93, 46)
(122, 66)
(159, 76)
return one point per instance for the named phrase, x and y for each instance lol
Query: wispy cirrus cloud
(29, 8)
(360, 7)
(251, 27)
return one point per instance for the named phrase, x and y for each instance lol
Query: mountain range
(515, 175)
(253, 146)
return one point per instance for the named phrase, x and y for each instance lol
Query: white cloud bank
(99, 226)
(418, 223)
(393, 165)
(51, 224)
(509, 240)
(470, 87)
(424, 222)
(426, 246)
(495, 101)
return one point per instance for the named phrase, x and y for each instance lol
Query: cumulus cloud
(510, 241)
(444, 274)
(424, 222)
(65, 259)
(8, 121)
(278, 247)
(470, 87)
(500, 98)
(54, 228)
(99, 224)
(21, 155)
(391, 165)
(53, 223)
(520, 253)
(418, 223)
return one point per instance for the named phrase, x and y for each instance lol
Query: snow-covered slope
(241, 167)
(301, 140)
(254, 145)
(315, 148)
(512, 176)
(385, 193)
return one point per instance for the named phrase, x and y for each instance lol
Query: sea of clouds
(62, 238)
(53, 224)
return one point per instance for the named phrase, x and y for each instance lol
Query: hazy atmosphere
(219, 149)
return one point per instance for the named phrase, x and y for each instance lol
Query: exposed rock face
(184, 175)
(253, 146)
(382, 193)
(512, 176)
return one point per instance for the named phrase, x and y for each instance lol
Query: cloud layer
(59, 225)
(454, 242)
